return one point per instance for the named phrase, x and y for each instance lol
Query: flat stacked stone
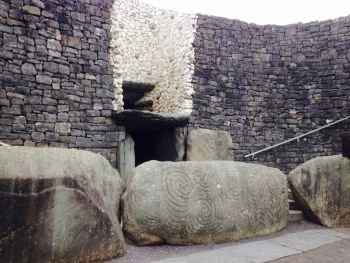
(55, 75)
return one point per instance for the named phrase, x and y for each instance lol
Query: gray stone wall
(154, 46)
(55, 76)
(62, 64)
(266, 84)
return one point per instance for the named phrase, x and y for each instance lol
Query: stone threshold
(266, 250)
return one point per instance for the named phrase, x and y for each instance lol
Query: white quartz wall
(154, 46)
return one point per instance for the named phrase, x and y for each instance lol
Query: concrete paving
(338, 252)
(297, 241)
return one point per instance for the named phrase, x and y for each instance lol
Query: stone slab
(145, 120)
(338, 252)
(254, 252)
(340, 233)
(307, 240)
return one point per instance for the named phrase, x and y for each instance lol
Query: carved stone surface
(206, 145)
(185, 203)
(58, 205)
(322, 187)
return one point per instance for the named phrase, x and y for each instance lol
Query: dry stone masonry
(266, 84)
(55, 75)
(66, 65)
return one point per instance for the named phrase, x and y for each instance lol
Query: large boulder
(208, 145)
(322, 187)
(203, 202)
(58, 205)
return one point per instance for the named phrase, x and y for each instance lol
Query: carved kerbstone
(203, 202)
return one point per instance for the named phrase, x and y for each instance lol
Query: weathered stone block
(63, 128)
(58, 206)
(43, 127)
(84, 142)
(28, 69)
(203, 144)
(184, 203)
(70, 41)
(38, 136)
(38, 3)
(21, 120)
(52, 136)
(51, 67)
(54, 45)
(322, 187)
(33, 10)
(64, 69)
(43, 79)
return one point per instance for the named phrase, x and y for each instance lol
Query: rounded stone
(58, 205)
(28, 69)
(322, 188)
(184, 203)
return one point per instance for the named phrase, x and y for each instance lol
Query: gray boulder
(322, 187)
(58, 205)
(207, 145)
(185, 203)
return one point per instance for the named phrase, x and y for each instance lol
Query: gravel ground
(144, 254)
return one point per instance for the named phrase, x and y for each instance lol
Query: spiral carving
(201, 202)
(177, 190)
(207, 206)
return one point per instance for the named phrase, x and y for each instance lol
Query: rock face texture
(322, 187)
(206, 145)
(203, 202)
(58, 205)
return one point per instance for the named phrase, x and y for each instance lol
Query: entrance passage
(166, 145)
(149, 136)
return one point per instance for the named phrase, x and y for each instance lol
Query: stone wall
(55, 76)
(266, 84)
(154, 46)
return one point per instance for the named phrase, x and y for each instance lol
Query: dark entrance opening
(162, 145)
(149, 136)
(134, 96)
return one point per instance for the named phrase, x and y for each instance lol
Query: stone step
(295, 216)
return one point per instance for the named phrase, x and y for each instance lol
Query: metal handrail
(297, 138)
